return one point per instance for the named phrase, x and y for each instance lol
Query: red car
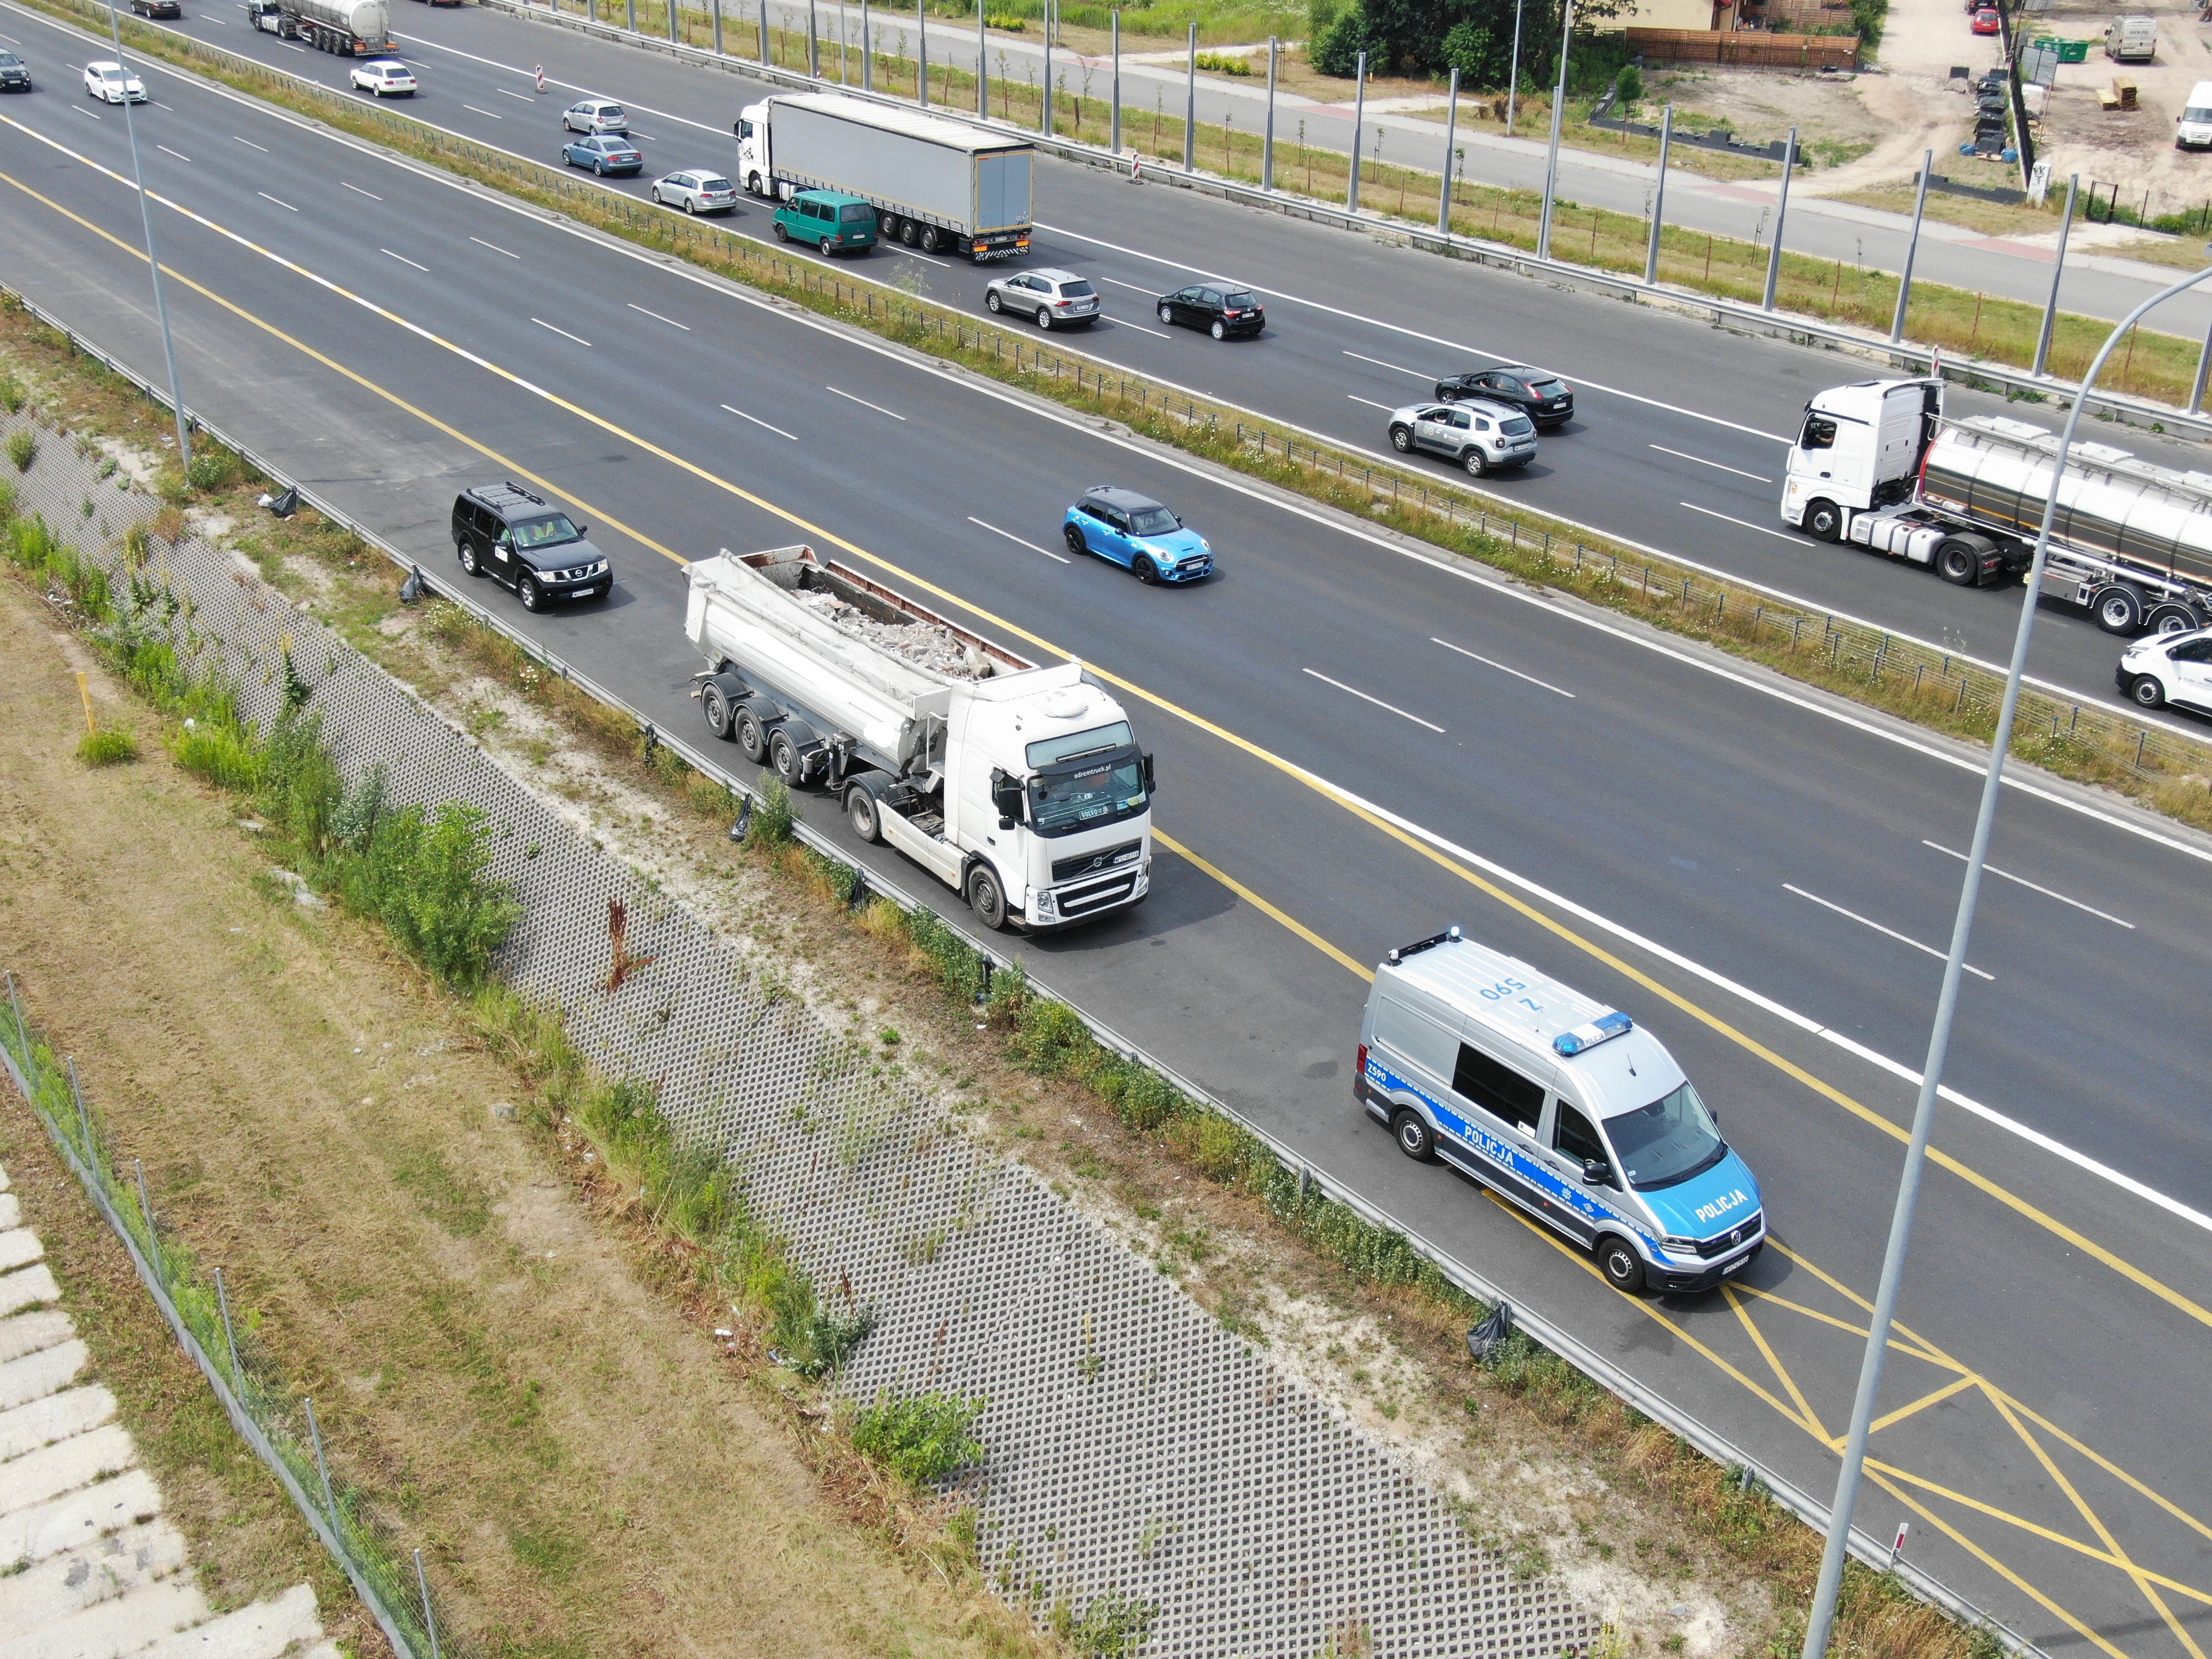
(1986, 22)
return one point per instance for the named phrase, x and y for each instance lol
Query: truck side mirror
(1006, 796)
(1146, 761)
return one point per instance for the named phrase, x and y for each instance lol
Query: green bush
(774, 814)
(107, 748)
(212, 468)
(7, 503)
(921, 1438)
(1220, 65)
(301, 789)
(23, 448)
(222, 752)
(424, 876)
(12, 396)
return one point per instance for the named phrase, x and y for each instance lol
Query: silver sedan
(1050, 298)
(696, 190)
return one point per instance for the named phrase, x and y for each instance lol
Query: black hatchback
(1540, 395)
(1219, 308)
(521, 541)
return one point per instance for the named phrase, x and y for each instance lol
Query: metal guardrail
(1705, 1439)
(1721, 312)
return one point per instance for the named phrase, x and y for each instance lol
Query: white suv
(2163, 668)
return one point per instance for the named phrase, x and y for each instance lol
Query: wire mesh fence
(387, 1571)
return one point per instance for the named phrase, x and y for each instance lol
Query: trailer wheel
(932, 239)
(783, 755)
(986, 897)
(1824, 521)
(752, 742)
(2173, 617)
(909, 232)
(2147, 692)
(860, 813)
(716, 707)
(2118, 608)
(1959, 561)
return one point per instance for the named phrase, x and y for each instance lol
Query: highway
(1678, 441)
(1755, 871)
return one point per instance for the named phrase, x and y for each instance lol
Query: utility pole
(1558, 115)
(152, 259)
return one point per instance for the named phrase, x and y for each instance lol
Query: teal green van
(832, 221)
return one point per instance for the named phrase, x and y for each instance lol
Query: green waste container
(2073, 51)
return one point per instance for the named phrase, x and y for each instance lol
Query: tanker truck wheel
(860, 813)
(986, 898)
(752, 742)
(2118, 608)
(2173, 617)
(716, 707)
(783, 755)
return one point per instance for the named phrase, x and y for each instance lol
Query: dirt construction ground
(2134, 150)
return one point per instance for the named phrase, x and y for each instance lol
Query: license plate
(1734, 1265)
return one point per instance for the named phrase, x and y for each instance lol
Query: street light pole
(1781, 216)
(1267, 143)
(1659, 200)
(1358, 121)
(1451, 137)
(1821, 1622)
(1904, 285)
(1513, 72)
(1559, 114)
(152, 259)
(1190, 108)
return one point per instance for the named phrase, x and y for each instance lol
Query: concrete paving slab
(28, 1333)
(110, 1629)
(11, 1211)
(79, 1460)
(261, 1631)
(91, 1573)
(56, 1417)
(35, 1375)
(28, 1289)
(19, 1248)
(78, 1518)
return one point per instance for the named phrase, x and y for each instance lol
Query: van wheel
(783, 755)
(1622, 1267)
(860, 813)
(1474, 461)
(986, 898)
(716, 709)
(781, 234)
(2118, 608)
(1824, 521)
(1414, 1136)
(2147, 692)
(752, 742)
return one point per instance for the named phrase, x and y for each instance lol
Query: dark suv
(523, 542)
(1540, 395)
(15, 73)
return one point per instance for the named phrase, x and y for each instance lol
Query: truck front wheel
(1622, 1267)
(986, 897)
(1824, 521)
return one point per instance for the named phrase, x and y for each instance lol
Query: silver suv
(1052, 298)
(1479, 434)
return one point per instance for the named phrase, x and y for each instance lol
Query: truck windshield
(1082, 794)
(545, 532)
(1668, 1141)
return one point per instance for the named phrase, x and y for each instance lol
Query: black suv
(523, 542)
(1540, 395)
(15, 73)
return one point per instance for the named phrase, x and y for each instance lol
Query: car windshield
(9, 60)
(111, 74)
(2195, 114)
(1076, 289)
(1239, 302)
(718, 184)
(853, 213)
(1153, 521)
(1085, 780)
(545, 532)
(1668, 1141)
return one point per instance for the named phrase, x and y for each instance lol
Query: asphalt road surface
(1357, 744)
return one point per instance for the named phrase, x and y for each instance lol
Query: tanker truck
(354, 28)
(1021, 787)
(1878, 465)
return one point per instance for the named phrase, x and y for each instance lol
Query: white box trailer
(1022, 787)
(937, 185)
(1878, 465)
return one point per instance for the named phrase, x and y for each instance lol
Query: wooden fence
(1750, 48)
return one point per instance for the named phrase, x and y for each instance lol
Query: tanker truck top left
(352, 28)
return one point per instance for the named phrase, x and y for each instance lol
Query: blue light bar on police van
(1604, 1029)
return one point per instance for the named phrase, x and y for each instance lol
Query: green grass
(920, 1438)
(23, 448)
(109, 748)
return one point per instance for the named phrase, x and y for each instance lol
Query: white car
(1052, 298)
(2176, 668)
(111, 83)
(384, 78)
(699, 190)
(595, 115)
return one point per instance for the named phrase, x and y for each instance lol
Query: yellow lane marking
(2102, 1462)
(1260, 904)
(1934, 1353)
(1935, 1398)
(1806, 1416)
(1897, 1345)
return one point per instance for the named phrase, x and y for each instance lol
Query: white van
(2192, 128)
(1563, 1105)
(2131, 40)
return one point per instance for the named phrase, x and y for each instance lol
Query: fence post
(1190, 108)
(145, 1204)
(315, 1433)
(430, 1619)
(229, 1336)
(83, 1120)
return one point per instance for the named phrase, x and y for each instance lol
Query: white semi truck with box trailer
(1878, 465)
(1021, 787)
(937, 185)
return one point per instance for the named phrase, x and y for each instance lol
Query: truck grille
(1742, 1233)
(1092, 863)
(1081, 901)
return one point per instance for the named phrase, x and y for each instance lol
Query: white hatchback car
(697, 190)
(111, 83)
(595, 115)
(386, 78)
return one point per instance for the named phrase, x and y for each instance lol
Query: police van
(1563, 1105)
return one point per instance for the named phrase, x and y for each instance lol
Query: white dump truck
(353, 29)
(937, 185)
(1022, 787)
(1878, 465)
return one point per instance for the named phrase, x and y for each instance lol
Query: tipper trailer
(1877, 464)
(1021, 787)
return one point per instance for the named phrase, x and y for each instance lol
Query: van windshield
(1668, 1141)
(2198, 115)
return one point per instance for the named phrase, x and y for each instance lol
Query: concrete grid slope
(87, 1566)
(1134, 1445)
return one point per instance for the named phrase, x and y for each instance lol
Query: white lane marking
(865, 404)
(1370, 402)
(562, 332)
(1377, 701)
(1805, 1022)
(524, 96)
(565, 86)
(403, 259)
(1499, 666)
(1017, 540)
(82, 110)
(1716, 465)
(1891, 933)
(903, 252)
(166, 150)
(484, 111)
(1379, 363)
(358, 191)
(657, 318)
(756, 421)
(158, 104)
(493, 247)
(647, 136)
(249, 144)
(1746, 524)
(288, 46)
(2102, 916)
(266, 197)
(1123, 322)
(1415, 334)
(1132, 286)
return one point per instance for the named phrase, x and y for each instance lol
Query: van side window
(1820, 433)
(1576, 1139)
(1497, 1088)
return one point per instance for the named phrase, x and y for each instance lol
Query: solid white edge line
(1019, 541)
(1500, 666)
(756, 421)
(1377, 701)
(1850, 1045)
(1683, 455)
(1891, 933)
(562, 332)
(2101, 915)
(865, 404)
(404, 259)
(657, 318)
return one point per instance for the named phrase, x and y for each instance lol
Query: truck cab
(1860, 446)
